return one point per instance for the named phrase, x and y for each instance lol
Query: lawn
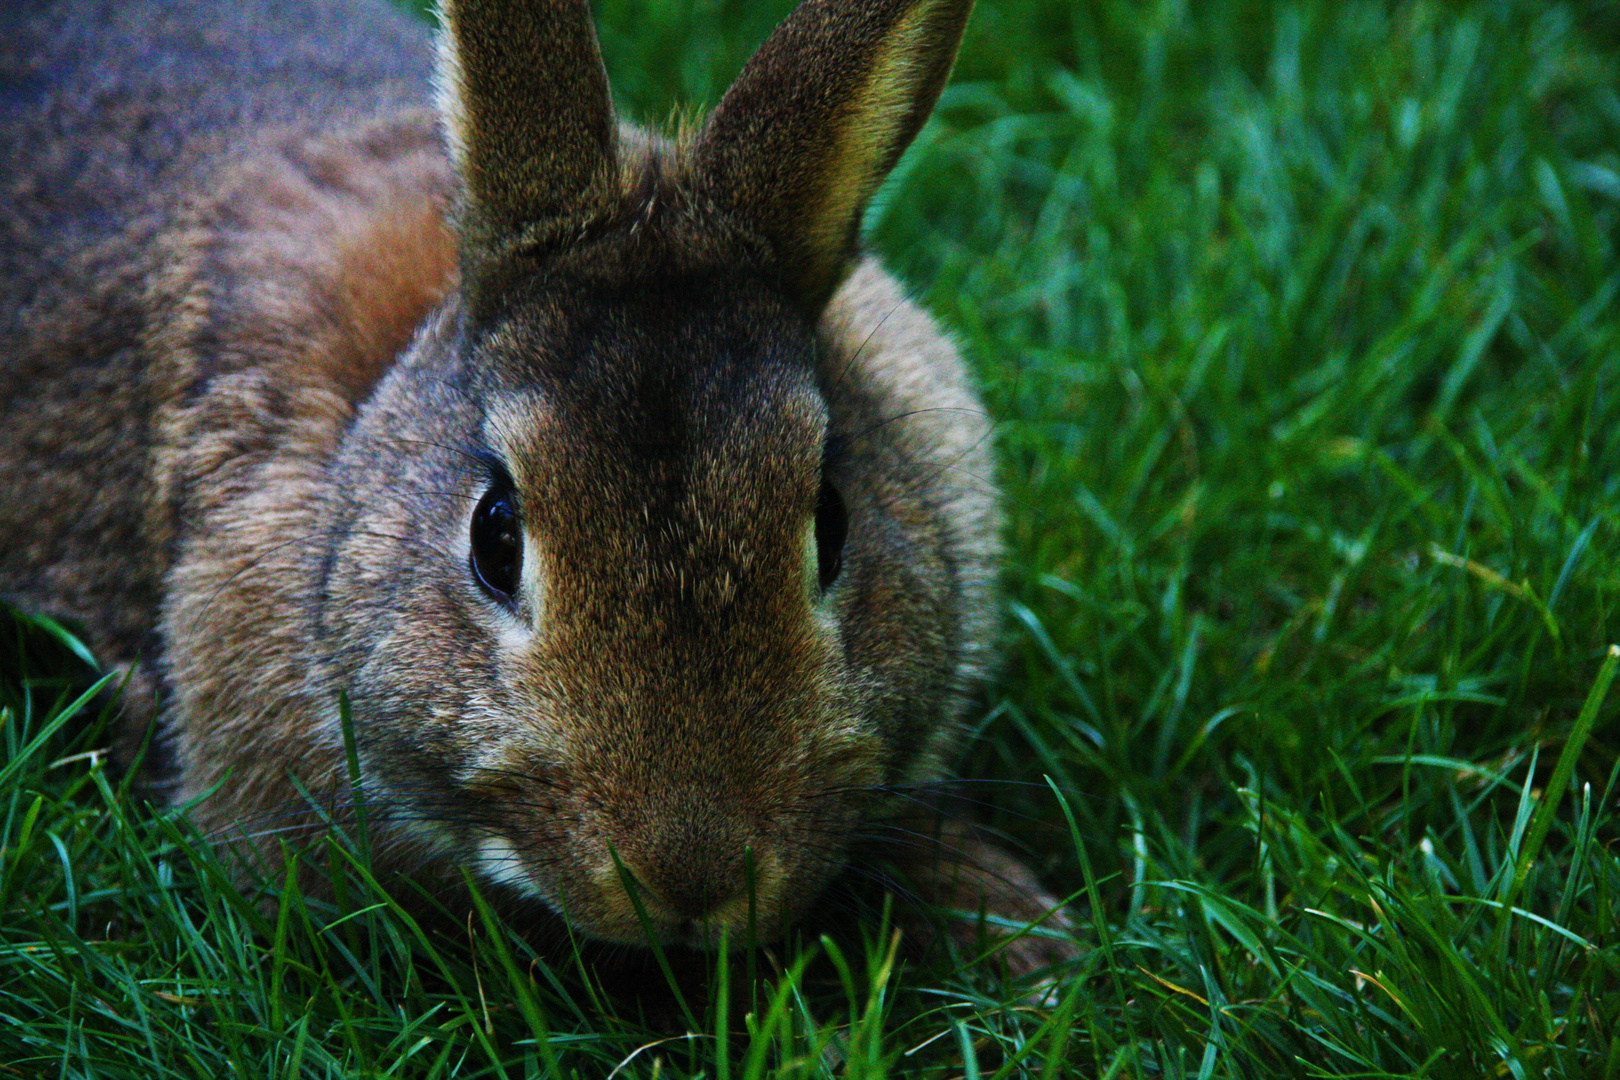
(1298, 324)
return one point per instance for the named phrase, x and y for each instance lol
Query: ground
(1298, 325)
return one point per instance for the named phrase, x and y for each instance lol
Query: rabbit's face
(615, 651)
(587, 585)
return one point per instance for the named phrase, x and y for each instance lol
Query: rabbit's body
(116, 120)
(543, 452)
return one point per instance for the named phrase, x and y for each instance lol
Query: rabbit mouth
(696, 904)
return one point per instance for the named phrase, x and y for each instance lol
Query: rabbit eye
(497, 543)
(832, 524)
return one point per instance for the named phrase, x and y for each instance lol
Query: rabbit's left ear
(526, 109)
(801, 141)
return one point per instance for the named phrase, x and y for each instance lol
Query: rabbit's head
(641, 576)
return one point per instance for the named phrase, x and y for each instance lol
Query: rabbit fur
(646, 526)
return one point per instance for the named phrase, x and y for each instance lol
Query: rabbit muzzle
(691, 841)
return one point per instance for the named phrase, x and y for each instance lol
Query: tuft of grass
(1298, 321)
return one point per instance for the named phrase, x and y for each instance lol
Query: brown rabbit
(646, 526)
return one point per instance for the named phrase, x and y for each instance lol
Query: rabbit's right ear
(526, 109)
(816, 120)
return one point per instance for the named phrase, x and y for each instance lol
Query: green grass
(1301, 326)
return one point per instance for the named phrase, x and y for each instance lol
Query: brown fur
(256, 480)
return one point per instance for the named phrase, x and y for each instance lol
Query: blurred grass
(1299, 324)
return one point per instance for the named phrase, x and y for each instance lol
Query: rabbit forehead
(725, 463)
(623, 310)
(668, 377)
(663, 435)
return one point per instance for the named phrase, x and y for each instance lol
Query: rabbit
(642, 525)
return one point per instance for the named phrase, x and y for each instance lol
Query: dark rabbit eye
(497, 543)
(832, 524)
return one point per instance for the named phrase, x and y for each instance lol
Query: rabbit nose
(685, 893)
(690, 876)
(685, 887)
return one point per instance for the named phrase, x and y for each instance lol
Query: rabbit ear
(524, 100)
(817, 119)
